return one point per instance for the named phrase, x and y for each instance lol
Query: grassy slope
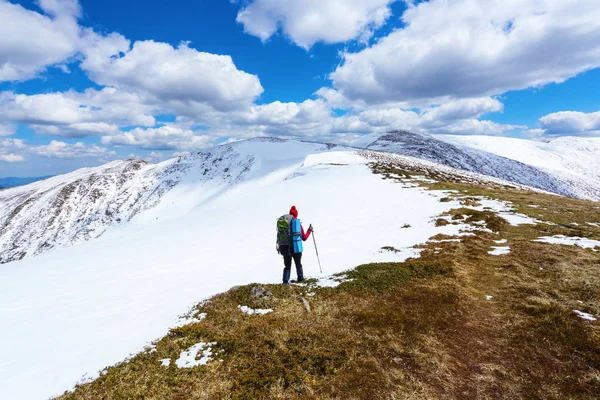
(419, 329)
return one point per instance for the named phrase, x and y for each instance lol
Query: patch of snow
(501, 241)
(189, 320)
(570, 241)
(504, 209)
(586, 316)
(189, 358)
(252, 311)
(331, 281)
(489, 297)
(165, 362)
(593, 224)
(498, 251)
(519, 219)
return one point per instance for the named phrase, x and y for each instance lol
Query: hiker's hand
(310, 228)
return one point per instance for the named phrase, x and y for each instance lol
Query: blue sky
(87, 82)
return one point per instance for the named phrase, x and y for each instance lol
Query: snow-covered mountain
(571, 159)
(566, 166)
(72, 208)
(82, 205)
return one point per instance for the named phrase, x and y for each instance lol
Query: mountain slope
(455, 152)
(84, 204)
(573, 159)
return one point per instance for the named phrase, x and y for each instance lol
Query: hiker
(290, 235)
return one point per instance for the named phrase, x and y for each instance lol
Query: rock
(259, 294)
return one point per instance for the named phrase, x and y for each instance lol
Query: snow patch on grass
(593, 224)
(570, 241)
(188, 359)
(504, 209)
(499, 251)
(190, 320)
(165, 362)
(586, 316)
(252, 311)
(488, 297)
(331, 281)
(501, 241)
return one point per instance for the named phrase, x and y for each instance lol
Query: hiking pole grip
(317, 250)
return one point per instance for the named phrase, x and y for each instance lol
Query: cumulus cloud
(75, 114)
(30, 41)
(376, 120)
(475, 127)
(308, 119)
(11, 158)
(181, 74)
(14, 150)
(11, 150)
(166, 137)
(306, 22)
(7, 129)
(571, 123)
(59, 8)
(58, 149)
(157, 72)
(469, 48)
(462, 109)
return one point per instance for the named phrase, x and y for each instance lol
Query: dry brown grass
(422, 329)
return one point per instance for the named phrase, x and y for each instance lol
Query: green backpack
(284, 236)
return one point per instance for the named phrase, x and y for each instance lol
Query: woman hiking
(290, 235)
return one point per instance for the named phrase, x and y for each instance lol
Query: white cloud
(460, 110)
(8, 148)
(7, 129)
(470, 48)
(30, 41)
(11, 158)
(475, 127)
(166, 137)
(180, 74)
(309, 21)
(58, 149)
(157, 73)
(571, 123)
(376, 120)
(309, 119)
(74, 114)
(60, 8)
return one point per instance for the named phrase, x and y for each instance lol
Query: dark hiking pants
(287, 262)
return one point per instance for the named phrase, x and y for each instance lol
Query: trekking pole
(317, 250)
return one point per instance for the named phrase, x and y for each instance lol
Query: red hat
(294, 212)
